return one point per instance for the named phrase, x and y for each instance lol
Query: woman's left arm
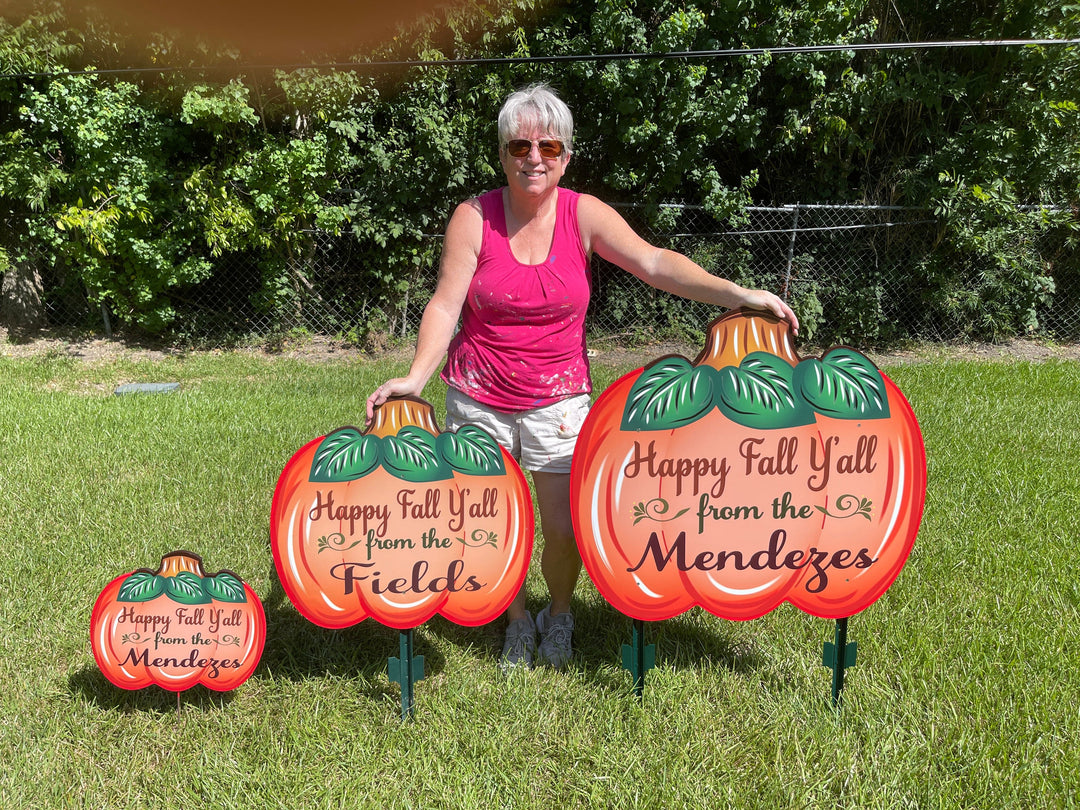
(606, 233)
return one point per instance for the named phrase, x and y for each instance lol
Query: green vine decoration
(655, 510)
(334, 542)
(480, 538)
(849, 506)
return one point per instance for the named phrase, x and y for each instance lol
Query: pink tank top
(522, 338)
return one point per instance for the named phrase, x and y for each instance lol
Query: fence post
(790, 252)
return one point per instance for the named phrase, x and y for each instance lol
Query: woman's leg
(560, 561)
(516, 609)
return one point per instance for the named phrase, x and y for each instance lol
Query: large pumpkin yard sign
(402, 522)
(748, 478)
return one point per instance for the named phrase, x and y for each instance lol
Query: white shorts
(541, 439)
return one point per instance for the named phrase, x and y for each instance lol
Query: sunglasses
(520, 148)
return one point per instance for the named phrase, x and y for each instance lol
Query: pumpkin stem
(172, 564)
(743, 331)
(397, 412)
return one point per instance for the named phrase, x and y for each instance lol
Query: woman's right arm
(461, 249)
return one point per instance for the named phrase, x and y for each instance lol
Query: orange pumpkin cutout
(177, 627)
(748, 478)
(402, 522)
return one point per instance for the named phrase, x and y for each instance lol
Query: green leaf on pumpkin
(413, 456)
(142, 586)
(843, 385)
(759, 394)
(670, 393)
(186, 588)
(471, 451)
(344, 455)
(224, 587)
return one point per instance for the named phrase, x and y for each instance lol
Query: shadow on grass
(693, 639)
(100, 692)
(295, 649)
(299, 649)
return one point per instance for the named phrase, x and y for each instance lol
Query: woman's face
(533, 174)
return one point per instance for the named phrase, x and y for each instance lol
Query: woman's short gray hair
(536, 106)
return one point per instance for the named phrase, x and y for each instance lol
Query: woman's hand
(397, 387)
(770, 302)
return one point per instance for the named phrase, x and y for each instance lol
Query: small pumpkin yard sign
(177, 627)
(748, 478)
(402, 522)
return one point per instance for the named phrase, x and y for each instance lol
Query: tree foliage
(133, 189)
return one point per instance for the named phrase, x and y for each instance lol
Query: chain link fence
(850, 272)
(844, 269)
(855, 274)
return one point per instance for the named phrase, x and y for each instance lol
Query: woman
(515, 269)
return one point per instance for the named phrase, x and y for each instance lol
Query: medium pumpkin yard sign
(400, 523)
(177, 627)
(748, 478)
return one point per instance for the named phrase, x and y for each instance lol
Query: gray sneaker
(519, 649)
(555, 633)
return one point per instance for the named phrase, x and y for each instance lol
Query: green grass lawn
(965, 694)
